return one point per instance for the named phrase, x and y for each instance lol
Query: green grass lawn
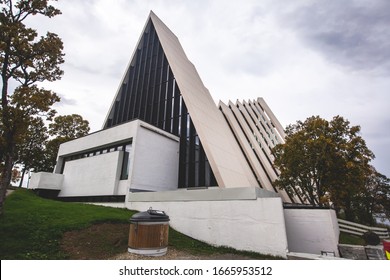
(33, 227)
(346, 238)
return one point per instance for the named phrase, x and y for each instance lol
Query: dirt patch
(109, 241)
(97, 242)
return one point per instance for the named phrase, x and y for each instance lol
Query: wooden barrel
(148, 233)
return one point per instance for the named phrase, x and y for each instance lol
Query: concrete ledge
(359, 252)
(307, 256)
(109, 204)
(375, 252)
(352, 252)
(210, 194)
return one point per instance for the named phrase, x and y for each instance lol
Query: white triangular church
(165, 144)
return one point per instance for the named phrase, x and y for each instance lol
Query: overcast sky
(304, 58)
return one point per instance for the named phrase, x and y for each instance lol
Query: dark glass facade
(149, 92)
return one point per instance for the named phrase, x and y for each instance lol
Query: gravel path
(174, 254)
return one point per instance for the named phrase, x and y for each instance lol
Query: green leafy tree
(324, 161)
(25, 61)
(31, 152)
(304, 159)
(374, 201)
(348, 177)
(69, 127)
(63, 129)
(39, 153)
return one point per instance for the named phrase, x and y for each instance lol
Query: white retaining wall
(312, 230)
(237, 217)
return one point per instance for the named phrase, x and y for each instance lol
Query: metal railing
(359, 229)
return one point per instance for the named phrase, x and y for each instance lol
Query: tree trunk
(5, 180)
(22, 177)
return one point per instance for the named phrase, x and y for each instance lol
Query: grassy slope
(32, 228)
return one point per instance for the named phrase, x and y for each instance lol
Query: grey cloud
(355, 34)
(90, 69)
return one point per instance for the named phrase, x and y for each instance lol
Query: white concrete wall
(312, 230)
(156, 161)
(45, 180)
(92, 176)
(123, 186)
(252, 223)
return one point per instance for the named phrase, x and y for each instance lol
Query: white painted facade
(100, 174)
(155, 160)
